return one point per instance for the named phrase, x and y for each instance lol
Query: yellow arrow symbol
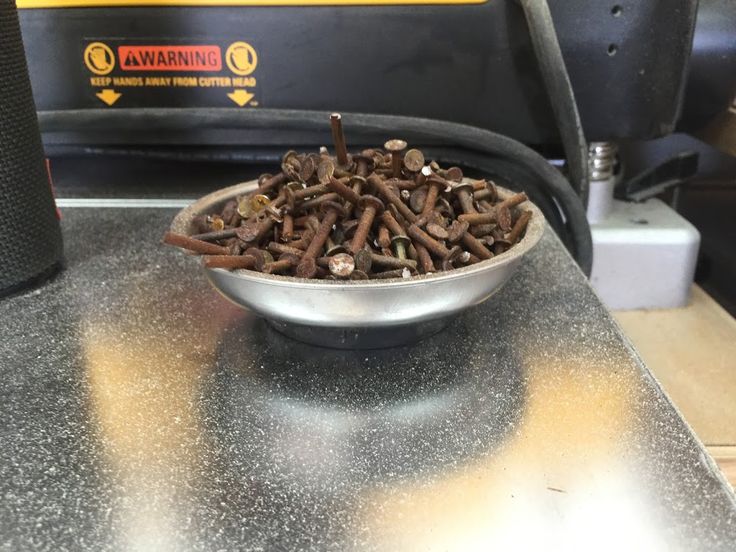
(240, 97)
(108, 96)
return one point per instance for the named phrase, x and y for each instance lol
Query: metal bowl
(360, 313)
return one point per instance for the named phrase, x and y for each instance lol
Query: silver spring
(602, 160)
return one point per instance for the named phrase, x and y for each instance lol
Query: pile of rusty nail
(382, 213)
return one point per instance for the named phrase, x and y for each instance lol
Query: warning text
(170, 58)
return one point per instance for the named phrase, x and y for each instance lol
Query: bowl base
(361, 338)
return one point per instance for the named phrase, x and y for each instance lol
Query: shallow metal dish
(360, 313)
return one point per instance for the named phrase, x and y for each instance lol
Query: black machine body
(467, 62)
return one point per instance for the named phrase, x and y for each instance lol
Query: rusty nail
(500, 245)
(448, 263)
(454, 173)
(396, 273)
(201, 224)
(229, 262)
(514, 200)
(280, 248)
(437, 231)
(435, 185)
(371, 206)
(418, 199)
(391, 223)
(341, 265)
(392, 262)
(503, 218)
(217, 224)
(215, 236)
(267, 184)
(287, 227)
(414, 160)
(427, 241)
(363, 260)
(197, 246)
(406, 185)
(285, 263)
(310, 191)
(519, 226)
(500, 213)
(335, 249)
(489, 192)
(344, 191)
(481, 230)
(395, 147)
(325, 170)
(307, 169)
(303, 242)
(253, 231)
(383, 239)
(262, 257)
(230, 213)
(339, 139)
(307, 267)
(423, 175)
(476, 246)
(399, 244)
(391, 197)
(425, 259)
(362, 164)
(464, 191)
(317, 201)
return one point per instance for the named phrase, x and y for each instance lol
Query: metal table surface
(141, 411)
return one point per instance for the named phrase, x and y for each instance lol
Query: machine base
(644, 256)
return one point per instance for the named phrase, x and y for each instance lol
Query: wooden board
(692, 352)
(726, 459)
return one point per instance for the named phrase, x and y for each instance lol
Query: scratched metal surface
(140, 411)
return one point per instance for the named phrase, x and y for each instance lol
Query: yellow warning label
(136, 74)
(174, 82)
(99, 59)
(241, 58)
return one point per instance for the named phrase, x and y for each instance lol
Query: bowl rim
(534, 230)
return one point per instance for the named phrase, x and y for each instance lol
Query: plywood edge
(725, 457)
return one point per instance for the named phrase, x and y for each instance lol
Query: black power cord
(557, 82)
(497, 149)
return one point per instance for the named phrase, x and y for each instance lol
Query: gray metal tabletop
(141, 411)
